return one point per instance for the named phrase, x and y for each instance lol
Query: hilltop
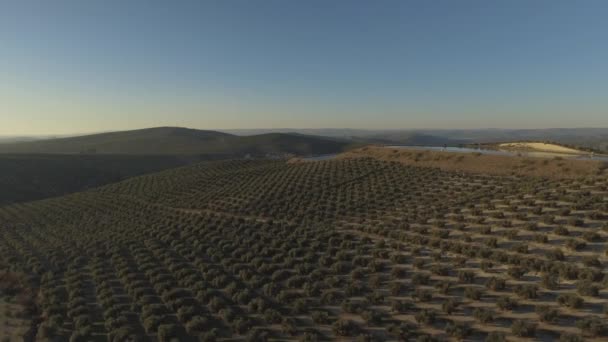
(539, 146)
(180, 141)
(483, 164)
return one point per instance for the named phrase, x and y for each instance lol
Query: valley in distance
(177, 234)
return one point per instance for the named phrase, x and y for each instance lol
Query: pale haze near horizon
(78, 67)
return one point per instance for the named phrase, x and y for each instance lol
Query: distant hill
(586, 138)
(15, 139)
(40, 169)
(416, 139)
(593, 138)
(180, 141)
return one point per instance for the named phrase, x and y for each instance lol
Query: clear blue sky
(84, 66)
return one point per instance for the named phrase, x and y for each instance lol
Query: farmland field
(29, 177)
(339, 249)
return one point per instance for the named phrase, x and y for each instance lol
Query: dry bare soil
(540, 146)
(349, 249)
(484, 164)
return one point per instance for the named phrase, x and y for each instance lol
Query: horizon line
(51, 135)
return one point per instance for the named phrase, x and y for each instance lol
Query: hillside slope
(333, 250)
(29, 177)
(589, 138)
(176, 140)
(483, 163)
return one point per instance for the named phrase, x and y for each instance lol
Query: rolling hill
(41, 169)
(27, 177)
(589, 138)
(180, 141)
(344, 249)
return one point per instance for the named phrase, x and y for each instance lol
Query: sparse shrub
(444, 287)
(197, 324)
(592, 326)
(331, 297)
(398, 258)
(289, 326)
(591, 261)
(486, 265)
(561, 230)
(48, 330)
(272, 316)
(398, 273)
(426, 338)
(483, 315)
(491, 242)
(345, 327)
(521, 328)
(396, 288)
(496, 284)
(540, 238)
(516, 272)
(423, 295)
(376, 297)
(520, 248)
(496, 336)
(526, 291)
(570, 300)
(403, 331)
(425, 316)
(473, 293)
(546, 313)
(420, 279)
(575, 244)
(311, 335)
(549, 281)
(466, 276)
(587, 288)
(592, 236)
(555, 254)
(372, 316)
(350, 306)
(458, 330)
(440, 270)
(575, 221)
(436, 256)
(450, 305)
(168, 332)
(590, 274)
(399, 306)
(570, 338)
(257, 335)
(548, 219)
(320, 317)
(81, 335)
(506, 303)
(299, 306)
(487, 230)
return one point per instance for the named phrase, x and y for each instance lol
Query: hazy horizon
(71, 67)
(295, 129)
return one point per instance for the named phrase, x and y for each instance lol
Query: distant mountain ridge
(181, 141)
(238, 142)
